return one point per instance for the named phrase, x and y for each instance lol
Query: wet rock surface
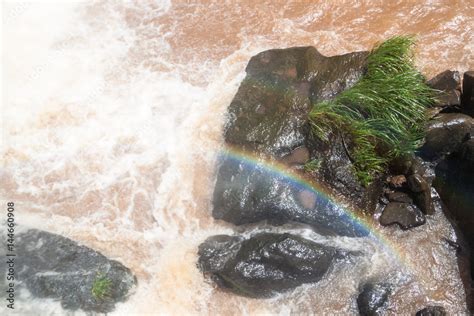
(247, 193)
(432, 311)
(404, 214)
(265, 264)
(421, 193)
(445, 133)
(455, 183)
(298, 157)
(268, 121)
(272, 152)
(467, 102)
(399, 197)
(52, 266)
(269, 111)
(448, 83)
(450, 143)
(336, 170)
(373, 299)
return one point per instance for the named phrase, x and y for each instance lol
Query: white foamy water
(112, 121)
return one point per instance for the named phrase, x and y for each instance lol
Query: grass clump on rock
(101, 287)
(384, 112)
(312, 165)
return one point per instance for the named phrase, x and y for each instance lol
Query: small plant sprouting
(101, 287)
(312, 165)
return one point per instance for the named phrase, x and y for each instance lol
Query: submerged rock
(268, 121)
(432, 311)
(373, 299)
(52, 266)
(445, 133)
(265, 264)
(467, 102)
(404, 214)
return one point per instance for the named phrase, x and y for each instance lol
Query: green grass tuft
(384, 112)
(101, 287)
(312, 165)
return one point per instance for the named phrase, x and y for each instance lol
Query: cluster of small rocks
(408, 192)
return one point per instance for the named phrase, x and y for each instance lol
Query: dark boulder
(432, 311)
(445, 133)
(404, 214)
(52, 266)
(455, 184)
(467, 102)
(269, 113)
(265, 264)
(446, 80)
(448, 84)
(266, 119)
(373, 299)
(251, 192)
(268, 123)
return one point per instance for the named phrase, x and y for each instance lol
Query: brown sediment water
(112, 121)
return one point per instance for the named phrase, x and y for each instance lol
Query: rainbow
(355, 215)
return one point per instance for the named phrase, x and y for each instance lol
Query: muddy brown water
(112, 122)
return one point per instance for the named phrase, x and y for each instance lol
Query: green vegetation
(384, 112)
(312, 165)
(101, 287)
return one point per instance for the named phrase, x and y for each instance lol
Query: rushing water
(112, 122)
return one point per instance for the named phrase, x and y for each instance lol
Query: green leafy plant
(384, 112)
(101, 287)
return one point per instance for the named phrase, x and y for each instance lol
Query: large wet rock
(267, 123)
(455, 184)
(247, 193)
(373, 299)
(467, 102)
(52, 266)
(448, 84)
(265, 264)
(269, 113)
(445, 133)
